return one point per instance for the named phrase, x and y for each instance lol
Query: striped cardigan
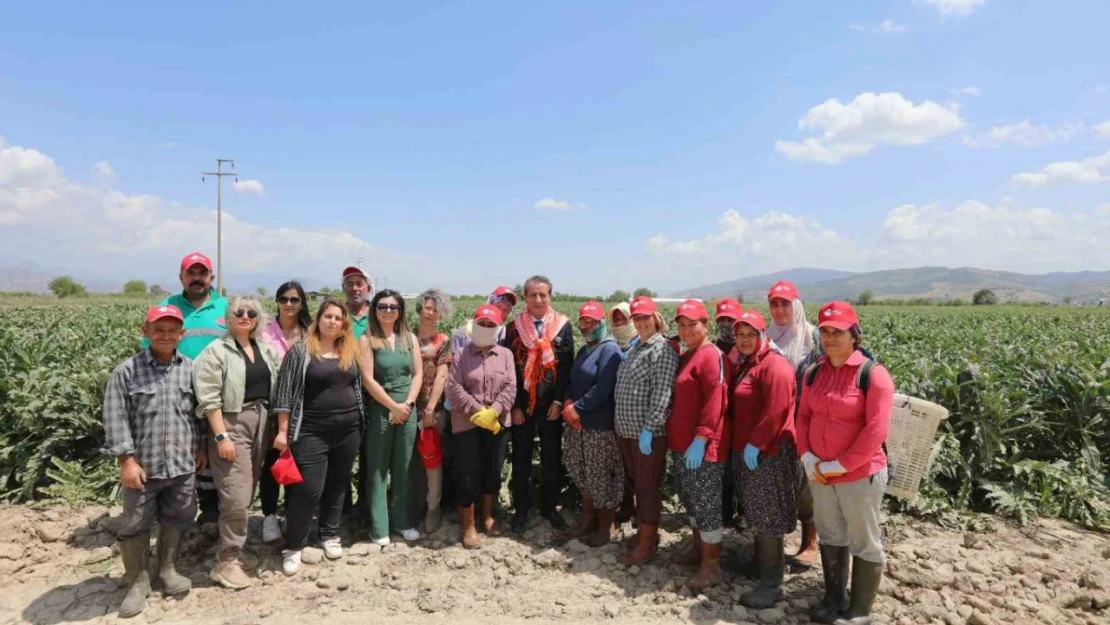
(289, 394)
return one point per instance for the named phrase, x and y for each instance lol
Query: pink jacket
(836, 422)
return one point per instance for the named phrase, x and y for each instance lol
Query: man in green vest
(357, 287)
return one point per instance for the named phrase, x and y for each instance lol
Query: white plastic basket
(909, 443)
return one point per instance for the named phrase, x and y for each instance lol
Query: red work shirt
(836, 422)
(698, 409)
(762, 405)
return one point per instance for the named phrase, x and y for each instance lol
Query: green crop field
(1028, 389)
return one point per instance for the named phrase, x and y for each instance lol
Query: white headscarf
(796, 339)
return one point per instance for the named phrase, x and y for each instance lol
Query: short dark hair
(540, 279)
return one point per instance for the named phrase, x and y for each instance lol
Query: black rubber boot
(866, 577)
(169, 545)
(133, 551)
(771, 563)
(835, 562)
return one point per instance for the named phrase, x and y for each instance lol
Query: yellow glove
(486, 418)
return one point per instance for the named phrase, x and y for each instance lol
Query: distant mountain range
(935, 283)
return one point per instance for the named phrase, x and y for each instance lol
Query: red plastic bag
(430, 448)
(285, 469)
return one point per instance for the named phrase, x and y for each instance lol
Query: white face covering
(624, 334)
(483, 336)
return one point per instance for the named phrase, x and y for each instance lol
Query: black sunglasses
(289, 300)
(249, 312)
(389, 307)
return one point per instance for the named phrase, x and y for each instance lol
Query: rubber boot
(487, 521)
(692, 556)
(604, 531)
(467, 535)
(169, 546)
(643, 550)
(133, 551)
(587, 519)
(866, 577)
(835, 562)
(709, 570)
(771, 562)
(807, 552)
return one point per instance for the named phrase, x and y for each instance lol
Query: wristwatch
(221, 436)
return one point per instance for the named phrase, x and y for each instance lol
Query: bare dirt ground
(59, 565)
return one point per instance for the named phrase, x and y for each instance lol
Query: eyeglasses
(389, 307)
(248, 312)
(289, 300)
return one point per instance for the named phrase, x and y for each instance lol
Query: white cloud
(887, 27)
(969, 90)
(1092, 170)
(550, 203)
(869, 120)
(1102, 131)
(954, 7)
(1023, 133)
(104, 172)
(250, 186)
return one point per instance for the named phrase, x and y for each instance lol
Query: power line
(219, 174)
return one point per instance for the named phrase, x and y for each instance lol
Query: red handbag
(285, 469)
(430, 448)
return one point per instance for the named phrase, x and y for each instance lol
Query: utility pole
(219, 174)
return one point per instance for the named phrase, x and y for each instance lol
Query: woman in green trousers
(393, 362)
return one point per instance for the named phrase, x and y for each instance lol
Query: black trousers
(479, 456)
(325, 452)
(269, 491)
(551, 461)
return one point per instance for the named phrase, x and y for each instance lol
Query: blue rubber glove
(751, 456)
(645, 442)
(695, 453)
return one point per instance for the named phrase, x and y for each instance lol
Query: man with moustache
(358, 288)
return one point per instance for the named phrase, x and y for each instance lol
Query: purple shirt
(478, 380)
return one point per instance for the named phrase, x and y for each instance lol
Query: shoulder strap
(863, 376)
(811, 373)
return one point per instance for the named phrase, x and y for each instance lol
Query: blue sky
(470, 144)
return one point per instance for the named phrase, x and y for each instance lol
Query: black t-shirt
(258, 375)
(329, 390)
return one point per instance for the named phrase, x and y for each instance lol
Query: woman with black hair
(288, 328)
(394, 374)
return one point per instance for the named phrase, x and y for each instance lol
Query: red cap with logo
(353, 271)
(165, 311)
(506, 291)
(752, 318)
(692, 309)
(592, 310)
(729, 309)
(837, 315)
(486, 311)
(643, 305)
(783, 289)
(196, 258)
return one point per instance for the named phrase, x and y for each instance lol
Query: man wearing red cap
(150, 428)
(357, 288)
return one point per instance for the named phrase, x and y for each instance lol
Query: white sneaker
(271, 529)
(333, 549)
(410, 534)
(290, 562)
(381, 542)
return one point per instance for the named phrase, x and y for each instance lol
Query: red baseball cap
(165, 311)
(752, 318)
(592, 310)
(728, 308)
(506, 291)
(354, 271)
(692, 309)
(487, 311)
(783, 289)
(196, 258)
(643, 305)
(837, 315)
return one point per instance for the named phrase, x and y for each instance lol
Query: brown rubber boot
(487, 520)
(647, 541)
(709, 571)
(807, 552)
(604, 532)
(587, 519)
(692, 556)
(467, 535)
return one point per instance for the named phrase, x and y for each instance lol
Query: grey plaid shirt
(645, 384)
(148, 413)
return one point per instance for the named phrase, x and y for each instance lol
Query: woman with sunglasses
(232, 379)
(282, 332)
(394, 374)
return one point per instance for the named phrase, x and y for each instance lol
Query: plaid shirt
(645, 385)
(148, 413)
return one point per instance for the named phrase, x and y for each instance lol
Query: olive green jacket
(220, 375)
